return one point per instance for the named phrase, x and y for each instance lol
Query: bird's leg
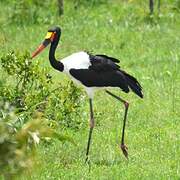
(91, 128)
(126, 104)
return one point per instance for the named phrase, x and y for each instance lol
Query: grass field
(149, 49)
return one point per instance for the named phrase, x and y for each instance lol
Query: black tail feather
(133, 84)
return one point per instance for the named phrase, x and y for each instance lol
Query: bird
(93, 72)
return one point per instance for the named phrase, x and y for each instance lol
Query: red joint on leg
(126, 104)
(91, 124)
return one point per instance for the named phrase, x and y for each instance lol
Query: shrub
(64, 105)
(32, 90)
(29, 82)
(18, 142)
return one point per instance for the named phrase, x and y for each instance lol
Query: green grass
(149, 49)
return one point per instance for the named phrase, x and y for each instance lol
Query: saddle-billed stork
(92, 72)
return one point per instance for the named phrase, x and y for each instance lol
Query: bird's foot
(124, 149)
(87, 160)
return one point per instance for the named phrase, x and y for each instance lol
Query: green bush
(18, 142)
(32, 90)
(29, 106)
(64, 105)
(29, 81)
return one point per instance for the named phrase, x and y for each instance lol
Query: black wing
(92, 78)
(103, 72)
(108, 57)
(103, 63)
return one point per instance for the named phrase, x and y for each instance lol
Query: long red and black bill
(41, 47)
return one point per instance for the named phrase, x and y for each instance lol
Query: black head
(52, 35)
(55, 29)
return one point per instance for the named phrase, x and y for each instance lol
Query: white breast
(79, 60)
